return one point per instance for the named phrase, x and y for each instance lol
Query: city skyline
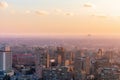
(61, 17)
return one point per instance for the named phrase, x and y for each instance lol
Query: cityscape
(59, 39)
(25, 61)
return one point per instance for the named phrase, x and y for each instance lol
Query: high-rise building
(42, 60)
(60, 56)
(5, 58)
(81, 67)
(48, 60)
(100, 54)
(72, 57)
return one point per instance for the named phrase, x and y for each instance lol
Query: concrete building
(83, 64)
(109, 74)
(58, 73)
(60, 56)
(99, 54)
(5, 58)
(42, 60)
(23, 59)
(82, 68)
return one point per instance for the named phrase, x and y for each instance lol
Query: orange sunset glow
(61, 17)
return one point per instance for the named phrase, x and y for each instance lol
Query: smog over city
(59, 40)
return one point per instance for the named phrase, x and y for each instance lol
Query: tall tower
(87, 62)
(72, 57)
(42, 60)
(61, 56)
(5, 58)
(82, 64)
(100, 53)
(48, 60)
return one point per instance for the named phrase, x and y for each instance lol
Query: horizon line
(58, 36)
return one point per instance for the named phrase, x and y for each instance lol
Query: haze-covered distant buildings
(59, 63)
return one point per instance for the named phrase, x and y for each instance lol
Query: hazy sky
(59, 17)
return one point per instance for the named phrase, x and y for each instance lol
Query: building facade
(5, 58)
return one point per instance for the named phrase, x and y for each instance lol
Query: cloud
(89, 5)
(27, 12)
(58, 10)
(38, 12)
(3, 4)
(61, 12)
(100, 15)
(69, 14)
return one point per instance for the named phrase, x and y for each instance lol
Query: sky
(59, 17)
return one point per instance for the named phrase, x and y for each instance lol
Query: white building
(5, 58)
